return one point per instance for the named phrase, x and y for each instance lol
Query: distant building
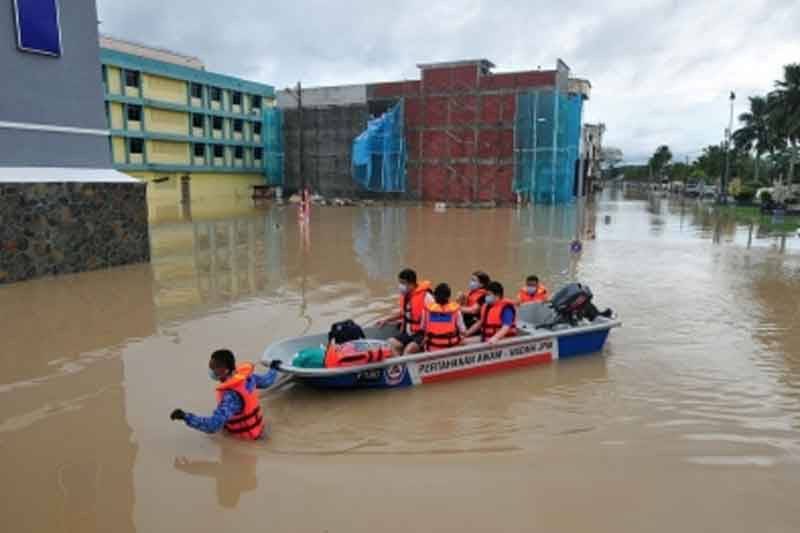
(467, 134)
(190, 133)
(592, 150)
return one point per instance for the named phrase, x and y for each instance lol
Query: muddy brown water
(688, 421)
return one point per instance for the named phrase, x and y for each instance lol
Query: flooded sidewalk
(689, 420)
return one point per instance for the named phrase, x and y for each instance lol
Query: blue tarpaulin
(379, 153)
(272, 142)
(548, 127)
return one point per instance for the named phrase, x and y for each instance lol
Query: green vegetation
(753, 215)
(765, 148)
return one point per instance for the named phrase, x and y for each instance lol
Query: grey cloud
(660, 69)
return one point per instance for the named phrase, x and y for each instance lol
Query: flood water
(688, 421)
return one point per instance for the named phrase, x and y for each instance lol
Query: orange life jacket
(541, 294)
(355, 353)
(492, 318)
(412, 305)
(441, 326)
(248, 424)
(475, 295)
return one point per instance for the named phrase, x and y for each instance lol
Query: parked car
(694, 190)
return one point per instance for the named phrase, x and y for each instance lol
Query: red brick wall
(460, 130)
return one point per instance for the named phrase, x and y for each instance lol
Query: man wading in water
(238, 408)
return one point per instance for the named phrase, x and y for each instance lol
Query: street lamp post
(723, 186)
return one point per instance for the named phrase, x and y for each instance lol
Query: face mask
(531, 290)
(473, 284)
(212, 375)
(490, 298)
(402, 288)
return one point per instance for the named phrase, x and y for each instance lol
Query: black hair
(483, 278)
(224, 358)
(442, 293)
(407, 275)
(495, 287)
(533, 278)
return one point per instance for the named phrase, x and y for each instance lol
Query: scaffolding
(272, 144)
(546, 139)
(379, 153)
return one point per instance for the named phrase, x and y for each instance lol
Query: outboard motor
(573, 303)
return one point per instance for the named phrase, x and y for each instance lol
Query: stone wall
(58, 228)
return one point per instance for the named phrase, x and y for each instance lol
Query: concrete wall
(53, 91)
(325, 96)
(56, 228)
(328, 142)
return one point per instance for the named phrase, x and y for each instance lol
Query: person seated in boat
(413, 298)
(472, 301)
(238, 408)
(533, 291)
(442, 322)
(497, 320)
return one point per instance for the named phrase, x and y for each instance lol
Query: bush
(744, 195)
(765, 197)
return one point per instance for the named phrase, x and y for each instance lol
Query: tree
(757, 133)
(711, 161)
(680, 171)
(785, 109)
(660, 160)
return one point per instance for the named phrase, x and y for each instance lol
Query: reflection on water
(233, 474)
(693, 405)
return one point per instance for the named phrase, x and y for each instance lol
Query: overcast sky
(661, 71)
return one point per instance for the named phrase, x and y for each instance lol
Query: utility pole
(579, 192)
(300, 140)
(723, 186)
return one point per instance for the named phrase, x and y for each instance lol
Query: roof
(179, 72)
(153, 52)
(460, 63)
(63, 175)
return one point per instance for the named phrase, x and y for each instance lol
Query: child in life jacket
(442, 321)
(532, 291)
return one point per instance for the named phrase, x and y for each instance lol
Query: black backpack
(345, 331)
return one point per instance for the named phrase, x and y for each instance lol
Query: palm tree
(785, 110)
(756, 132)
(660, 160)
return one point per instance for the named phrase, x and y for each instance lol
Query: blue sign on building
(38, 28)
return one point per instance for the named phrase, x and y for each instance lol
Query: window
(136, 146)
(197, 120)
(258, 153)
(135, 113)
(256, 128)
(199, 150)
(217, 123)
(237, 125)
(216, 94)
(132, 78)
(237, 98)
(238, 152)
(197, 90)
(219, 150)
(255, 101)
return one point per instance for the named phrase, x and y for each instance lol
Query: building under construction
(461, 133)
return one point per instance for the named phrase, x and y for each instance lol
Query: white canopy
(63, 175)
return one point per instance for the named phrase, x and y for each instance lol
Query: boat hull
(466, 361)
